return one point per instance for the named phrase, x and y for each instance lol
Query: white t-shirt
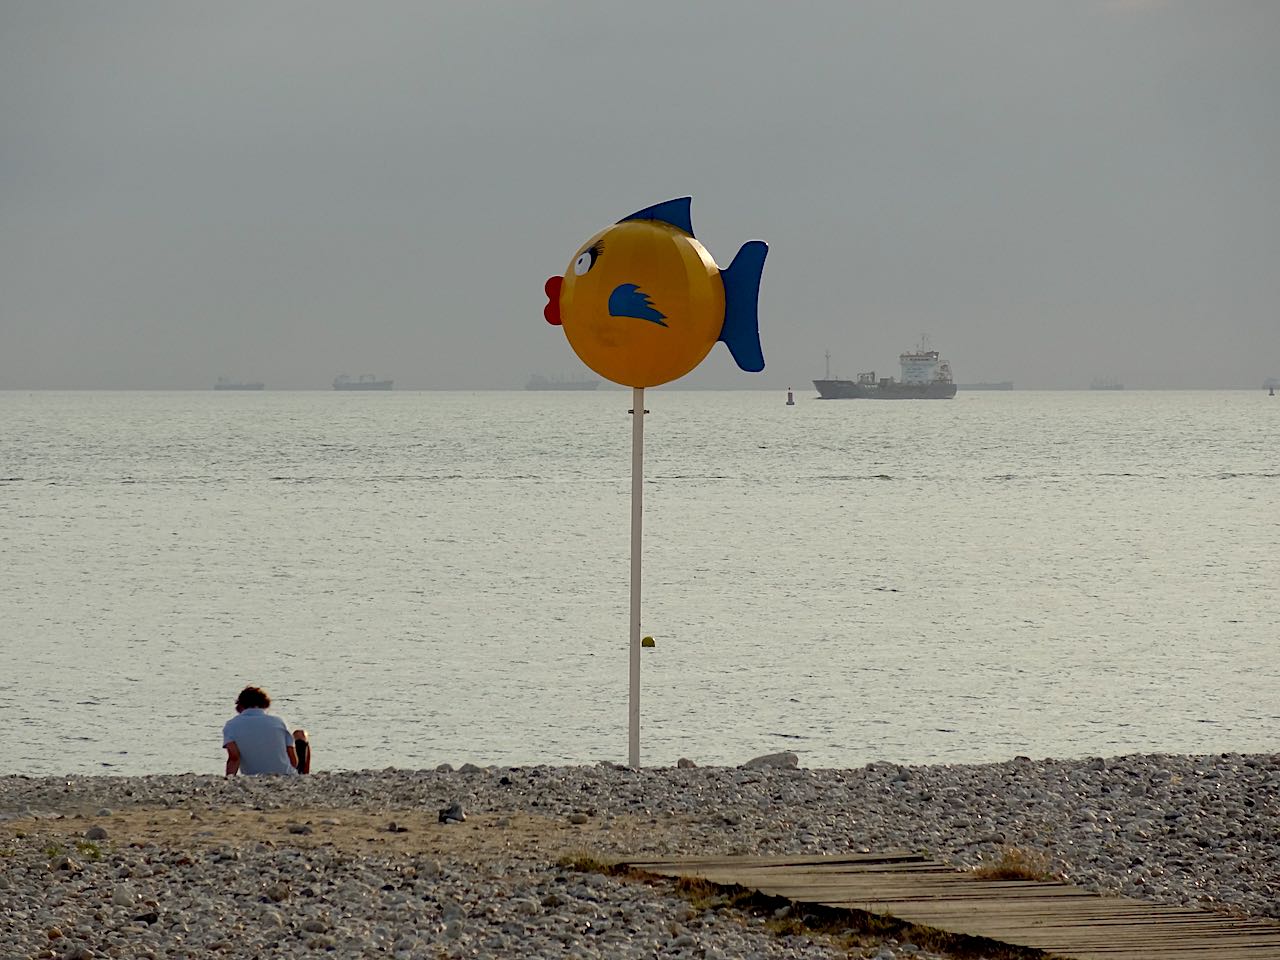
(262, 740)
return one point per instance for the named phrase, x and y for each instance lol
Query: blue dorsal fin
(674, 212)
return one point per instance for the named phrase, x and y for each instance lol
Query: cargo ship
(925, 376)
(366, 381)
(539, 382)
(225, 384)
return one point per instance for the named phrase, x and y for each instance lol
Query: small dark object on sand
(453, 813)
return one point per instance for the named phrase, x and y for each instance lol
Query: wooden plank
(1051, 916)
(833, 862)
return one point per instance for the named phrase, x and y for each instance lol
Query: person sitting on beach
(302, 747)
(256, 741)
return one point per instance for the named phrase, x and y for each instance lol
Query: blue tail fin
(741, 329)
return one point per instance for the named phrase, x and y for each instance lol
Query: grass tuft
(787, 927)
(586, 863)
(89, 849)
(1017, 864)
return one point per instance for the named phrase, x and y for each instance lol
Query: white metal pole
(637, 514)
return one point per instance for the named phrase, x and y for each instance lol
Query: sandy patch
(480, 837)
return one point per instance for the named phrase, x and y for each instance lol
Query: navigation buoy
(647, 642)
(791, 400)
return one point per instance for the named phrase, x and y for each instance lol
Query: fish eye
(586, 260)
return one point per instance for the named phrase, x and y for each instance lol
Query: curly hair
(253, 697)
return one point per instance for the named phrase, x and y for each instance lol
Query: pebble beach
(359, 863)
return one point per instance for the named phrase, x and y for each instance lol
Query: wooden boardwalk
(1057, 918)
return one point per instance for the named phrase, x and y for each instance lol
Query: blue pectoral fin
(628, 300)
(741, 329)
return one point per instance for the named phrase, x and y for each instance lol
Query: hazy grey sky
(1052, 191)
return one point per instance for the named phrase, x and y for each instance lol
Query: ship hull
(356, 385)
(851, 390)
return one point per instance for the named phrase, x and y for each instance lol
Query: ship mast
(828, 377)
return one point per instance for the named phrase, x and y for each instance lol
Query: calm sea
(438, 576)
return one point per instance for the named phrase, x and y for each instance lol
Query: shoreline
(1200, 831)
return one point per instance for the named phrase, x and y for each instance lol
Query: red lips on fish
(552, 310)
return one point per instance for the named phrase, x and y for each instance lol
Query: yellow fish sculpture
(642, 302)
